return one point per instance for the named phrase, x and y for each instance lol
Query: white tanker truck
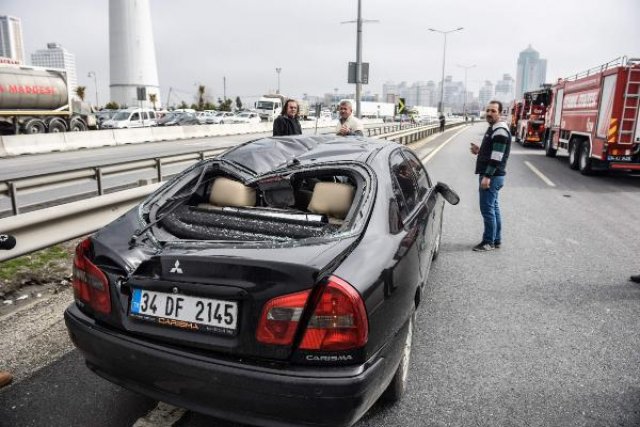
(38, 100)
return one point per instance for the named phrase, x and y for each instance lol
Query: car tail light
(338, 322)
(90, 285)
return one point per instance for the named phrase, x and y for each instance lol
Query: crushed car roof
(267, 154)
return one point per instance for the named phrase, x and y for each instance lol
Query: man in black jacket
(287, 122)
(491, 165)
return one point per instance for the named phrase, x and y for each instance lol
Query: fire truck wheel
(573, 155)
(549, 151)
(585, 164)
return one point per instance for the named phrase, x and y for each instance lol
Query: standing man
(348, 124)
(287, 122)
(442, 122)
(491, 165)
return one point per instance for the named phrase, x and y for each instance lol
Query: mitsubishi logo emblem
(176, 268)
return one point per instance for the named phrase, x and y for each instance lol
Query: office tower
(55, 56)
(486, 94)
(505, 89)
(11, 44)
(532, 71)
(132, 55)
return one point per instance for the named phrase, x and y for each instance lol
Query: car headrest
(332, 199)
(227, 192)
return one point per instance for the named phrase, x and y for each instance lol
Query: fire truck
(514, 112)
(594, 118)
(530, 120)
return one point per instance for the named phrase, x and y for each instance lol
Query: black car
(276, 284)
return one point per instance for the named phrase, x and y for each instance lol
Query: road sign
(401, 106)
(364, 74)
(142, 93)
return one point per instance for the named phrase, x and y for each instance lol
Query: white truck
(269, 106)
(39, 100)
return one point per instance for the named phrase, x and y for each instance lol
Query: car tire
(585, 163)
(549, 151)
(398, 384)
(436, 249)
(574, 155)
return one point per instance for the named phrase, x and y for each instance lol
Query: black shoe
(496, 245)
(635, 278)
(483, 247)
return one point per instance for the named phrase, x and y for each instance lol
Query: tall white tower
(132, 55)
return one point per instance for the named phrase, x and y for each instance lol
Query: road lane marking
(434, 152)
(163, 415)
(540, 174)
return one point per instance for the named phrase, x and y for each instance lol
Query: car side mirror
(448, 193)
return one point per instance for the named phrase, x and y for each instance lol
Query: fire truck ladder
(631, 102)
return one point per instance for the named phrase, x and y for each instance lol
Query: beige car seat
(227, 192)
(333, 199)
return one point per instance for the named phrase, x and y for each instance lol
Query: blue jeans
(490, 210)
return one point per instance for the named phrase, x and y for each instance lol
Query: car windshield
(265, 105)
(121, 115)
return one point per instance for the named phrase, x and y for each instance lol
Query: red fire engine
(514, 113)
(530, 122)
(594, 118)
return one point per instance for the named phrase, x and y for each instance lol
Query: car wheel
(398, 384)
(585, 163)
(436, 248)
(574, 155)
(549, 151)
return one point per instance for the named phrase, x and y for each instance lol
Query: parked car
(246, 117)
(275, 289)
(131, 118)
(205, 117)
(104, 115)
(178, 118)
(223, 117)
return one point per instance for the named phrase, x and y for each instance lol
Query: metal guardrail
(51, 225)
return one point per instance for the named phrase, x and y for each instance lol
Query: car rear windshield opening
(275, 209)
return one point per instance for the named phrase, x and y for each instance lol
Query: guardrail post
(14, 198)
(98, 172)
(159, 169)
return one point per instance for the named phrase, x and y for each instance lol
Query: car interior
(294, 207)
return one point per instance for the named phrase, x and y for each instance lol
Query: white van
(131, 118)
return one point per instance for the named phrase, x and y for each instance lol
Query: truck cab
(269, 107)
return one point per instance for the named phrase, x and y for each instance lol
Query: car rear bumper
(316, 396)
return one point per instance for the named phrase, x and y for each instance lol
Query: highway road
(542, 332)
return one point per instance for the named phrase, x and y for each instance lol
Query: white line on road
(433, 153)
(540, 174)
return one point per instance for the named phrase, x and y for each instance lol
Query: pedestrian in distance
(287, 123)
(442, 122)
(491, 165)
(348, 125)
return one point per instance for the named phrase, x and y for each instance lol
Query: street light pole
(358, 23)
(95, 82)
(278, 69)
(444, 55)
(464, 106)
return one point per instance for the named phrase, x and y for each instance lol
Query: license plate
(186, 312)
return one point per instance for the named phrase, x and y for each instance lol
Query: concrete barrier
(98, 138)
(133, 136)
(166, 133)
(15, 145)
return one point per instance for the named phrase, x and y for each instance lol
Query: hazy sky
(199, 42)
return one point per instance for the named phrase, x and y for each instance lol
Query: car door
(427, 200)
(134, 120)
(407, 268)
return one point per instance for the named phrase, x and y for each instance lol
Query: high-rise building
(505, 89)
(132, 54)
(486, 93)
(532, 71)
(11, 45)
(55, 56)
